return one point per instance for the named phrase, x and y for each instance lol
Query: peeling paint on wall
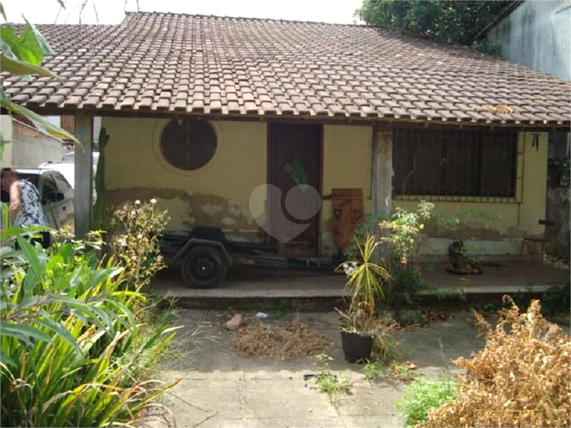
(228, 221)
(189, 210)
(211, 209)
(235, 210)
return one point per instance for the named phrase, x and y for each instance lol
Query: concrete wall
(537, 34)
(215, 195)
(6, 128)
(346, 164)
(27, 146)
(219, 193)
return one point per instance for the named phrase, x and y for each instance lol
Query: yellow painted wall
(216, 195)
(219, 194)
(517, 218)
(346, 164)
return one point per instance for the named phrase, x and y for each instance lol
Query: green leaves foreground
(74, 341)
(22, 55)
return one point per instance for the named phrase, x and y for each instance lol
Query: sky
(112, 11)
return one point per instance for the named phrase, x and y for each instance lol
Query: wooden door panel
(294, 159)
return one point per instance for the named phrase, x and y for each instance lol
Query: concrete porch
(244, 283)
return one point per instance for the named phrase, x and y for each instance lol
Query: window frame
(485, 136)
(169, 153)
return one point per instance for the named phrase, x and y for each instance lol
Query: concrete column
(83, 199)
(382, 171)
(6, 137)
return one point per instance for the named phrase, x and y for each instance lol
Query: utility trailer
(205, 255)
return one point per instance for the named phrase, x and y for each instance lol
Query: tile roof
(172, 63)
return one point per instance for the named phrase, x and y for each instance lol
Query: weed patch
(423, 396)
(377, 371)
(329, 383)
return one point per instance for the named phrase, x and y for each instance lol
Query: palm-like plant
(365, 280)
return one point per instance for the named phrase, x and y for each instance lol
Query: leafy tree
(446, 21)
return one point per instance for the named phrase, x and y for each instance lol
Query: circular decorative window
(188, 144)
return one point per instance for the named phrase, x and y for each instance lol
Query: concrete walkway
(220, 389)
(244, 283)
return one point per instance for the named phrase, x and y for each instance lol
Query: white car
(55, 192)
(67, 167)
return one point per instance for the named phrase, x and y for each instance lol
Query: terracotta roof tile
(238, 66)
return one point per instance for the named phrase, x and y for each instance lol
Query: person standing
(25, 204)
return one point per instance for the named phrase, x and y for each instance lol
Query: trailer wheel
(203, 267)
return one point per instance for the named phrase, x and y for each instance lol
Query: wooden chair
(539, 241)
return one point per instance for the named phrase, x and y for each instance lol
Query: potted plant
(365, 284)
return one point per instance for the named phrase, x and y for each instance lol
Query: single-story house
(203, 110)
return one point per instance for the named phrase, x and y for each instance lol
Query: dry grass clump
(290, 339)
(520, 378)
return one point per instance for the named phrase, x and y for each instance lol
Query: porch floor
(245, 283)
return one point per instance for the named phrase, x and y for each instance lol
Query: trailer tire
(203, 267)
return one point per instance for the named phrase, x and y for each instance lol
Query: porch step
(301, 289)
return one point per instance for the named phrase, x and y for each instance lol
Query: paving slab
(383, 421)
(268, 399)
(370, 399)
(218, 388)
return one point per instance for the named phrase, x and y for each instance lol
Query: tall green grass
(76, 340)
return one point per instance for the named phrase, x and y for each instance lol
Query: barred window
(454, 162)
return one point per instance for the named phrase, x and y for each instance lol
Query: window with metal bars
(454, 162)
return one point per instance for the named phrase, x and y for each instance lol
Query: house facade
(292, 133)
(219, 194)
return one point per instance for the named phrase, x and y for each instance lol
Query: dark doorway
(294, 171)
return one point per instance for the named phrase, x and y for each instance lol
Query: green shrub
(404, 284)
(557, 298)
(133, 234)
(408, 317)
(424, 395)
(369, 226)
(404, 229)
(77, 343)
(403, 239)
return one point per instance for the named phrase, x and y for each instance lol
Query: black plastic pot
(357, 347)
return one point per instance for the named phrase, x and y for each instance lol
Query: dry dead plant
(280, 340)
(520, 379)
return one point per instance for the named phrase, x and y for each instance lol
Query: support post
(83, 197)
(382, 182)
(382, 171)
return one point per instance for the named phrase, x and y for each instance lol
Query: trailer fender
(193, 242)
